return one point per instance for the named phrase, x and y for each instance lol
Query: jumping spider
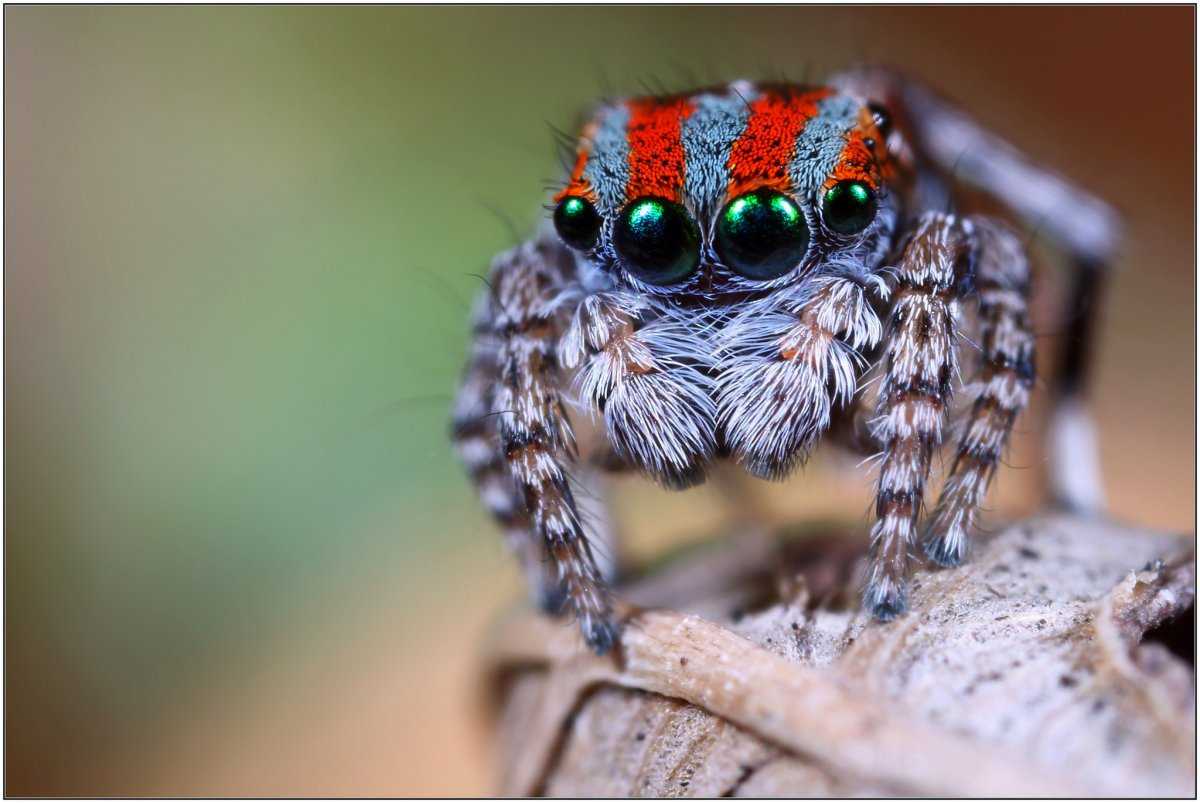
(729, 268)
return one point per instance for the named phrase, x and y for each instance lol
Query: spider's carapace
(821, 152)
(748, 135)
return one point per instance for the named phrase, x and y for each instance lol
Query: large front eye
(657, 240)
(762, 234)
(849, 207)
(577, 222)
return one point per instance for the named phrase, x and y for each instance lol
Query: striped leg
(477, 440)
(919, 365)
(931, 128)
(1002, 391)
(529, 287)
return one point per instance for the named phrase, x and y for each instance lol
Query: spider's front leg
(530, 288)
(919, 366)
(476, 438)
(931, 131)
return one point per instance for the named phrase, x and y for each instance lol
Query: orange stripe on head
(656, 158)
(761, 156)
(856, 162)
(859, 161)
(577, 184)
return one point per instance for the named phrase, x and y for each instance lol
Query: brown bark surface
(746, 669)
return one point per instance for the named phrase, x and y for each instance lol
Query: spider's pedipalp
(644, 371)
(785, 365)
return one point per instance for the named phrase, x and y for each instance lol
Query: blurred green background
(240, 557)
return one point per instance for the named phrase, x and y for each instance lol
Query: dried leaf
(1019, 673)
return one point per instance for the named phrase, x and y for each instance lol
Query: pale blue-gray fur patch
(708, 135)
(819, 146)
(607, 169)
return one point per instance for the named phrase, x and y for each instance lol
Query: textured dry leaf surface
(746, 670)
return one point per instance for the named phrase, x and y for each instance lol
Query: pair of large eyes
(761, 234)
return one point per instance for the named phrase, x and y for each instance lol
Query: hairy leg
(592, 497)
(1075, 479)
(919, 365)
(1001, 391)
(523, 318)
(933, 132)
(477, 439)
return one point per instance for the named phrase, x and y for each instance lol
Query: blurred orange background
(235, 235)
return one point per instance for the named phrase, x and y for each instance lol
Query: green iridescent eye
(849, 207)
(577, 222)
(762, 234)
(657, 240)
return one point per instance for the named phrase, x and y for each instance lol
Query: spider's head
(743, 188)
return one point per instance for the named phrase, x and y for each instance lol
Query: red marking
(578, 185)
(656, 159)
(856, 162)
(761, 155)
(859, 162)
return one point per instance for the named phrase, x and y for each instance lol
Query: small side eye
(882, 118)
(762, 234)
(849, 207)
(657, 241)
(577, 222)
